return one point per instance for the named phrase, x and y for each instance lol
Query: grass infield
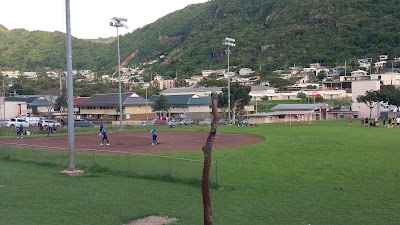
(321, 173)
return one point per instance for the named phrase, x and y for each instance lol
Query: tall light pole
(147, 107)
(70, 95)
(118, 22)
(229, 42)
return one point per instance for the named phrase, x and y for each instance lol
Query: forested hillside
(271, 34)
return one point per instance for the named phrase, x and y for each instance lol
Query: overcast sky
(89, 18)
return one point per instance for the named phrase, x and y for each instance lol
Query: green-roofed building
(187, 106)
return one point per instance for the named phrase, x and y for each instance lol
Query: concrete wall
(98, 111)
(359, 88)
(141, 109)
(13, 109)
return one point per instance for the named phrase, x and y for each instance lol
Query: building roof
(282, 107)
(111, 99)
(135, 99)
(280, 113)
(78, 100)
(207, 89)
(41, 102)
(184, 99)
(191, 90)
(28, 100)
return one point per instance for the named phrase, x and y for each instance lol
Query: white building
(365, 62)
(245, 71)
(359, 88)
(391, 78)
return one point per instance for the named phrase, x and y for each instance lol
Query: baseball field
(326, 172)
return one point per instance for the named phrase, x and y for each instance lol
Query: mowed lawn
(321, 173)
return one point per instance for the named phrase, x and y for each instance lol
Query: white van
(32, 121)
(16, 122)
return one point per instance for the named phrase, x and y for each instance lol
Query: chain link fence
(137, 164)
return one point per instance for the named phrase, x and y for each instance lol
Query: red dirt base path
(139, 142)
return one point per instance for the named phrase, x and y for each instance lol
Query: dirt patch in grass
(153, 220)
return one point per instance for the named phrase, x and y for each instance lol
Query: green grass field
(321, 173)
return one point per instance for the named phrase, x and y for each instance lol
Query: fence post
(34, 153)
(93, 159)
(129, 163)
(62, 158)
(170, 168)
(216, 173)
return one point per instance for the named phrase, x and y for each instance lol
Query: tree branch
(207, 149)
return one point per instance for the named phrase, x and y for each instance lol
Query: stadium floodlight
(118, 22)
(229, 42)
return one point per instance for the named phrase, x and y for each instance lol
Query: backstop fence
(136, 164)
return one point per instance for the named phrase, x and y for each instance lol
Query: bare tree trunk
(207, 149)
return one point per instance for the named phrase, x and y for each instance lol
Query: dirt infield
(139, 142)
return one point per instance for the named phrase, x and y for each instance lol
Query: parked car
(159, 122)
(13, 122)
(244, 122)
(83, 123)
(50, 123)
(147, 123)
(205, 122)
(222, 122)
(187, 121)
(174, 123)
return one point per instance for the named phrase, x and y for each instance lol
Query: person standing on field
(101, 127)
(154, 135)
(49, 130)
(19, 131)
(350, 120)
(105, 137)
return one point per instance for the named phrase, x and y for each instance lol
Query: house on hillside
(106, 106)
(365, 62)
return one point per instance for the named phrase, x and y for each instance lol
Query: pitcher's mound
(153, 220)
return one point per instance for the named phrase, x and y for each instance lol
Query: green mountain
(271, 34)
